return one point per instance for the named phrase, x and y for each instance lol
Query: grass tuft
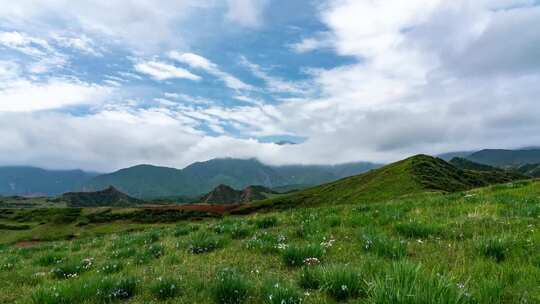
(231, 287)
(343, 282)
(267, 222)
(311, 277)
(495, 248)
(204, 242)
(165, 288)
(418, 230)
(276, 293)
(383, 246)
(405, 283)
(295, 256)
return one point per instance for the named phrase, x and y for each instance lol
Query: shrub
(405, 283)
(281, 294)
(311, 277)
(342, 283)
(495, 248)
(297, 255)
(203, 242)
(230, 287)
(165, 288)
(267, 222)
(383, 246)
(417, 230)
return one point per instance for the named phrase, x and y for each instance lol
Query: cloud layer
(420, 77)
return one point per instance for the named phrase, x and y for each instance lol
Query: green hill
(416, 174)
(466, 164)
(532, 170)
(506, 158)
(109, 197)
(147, 181)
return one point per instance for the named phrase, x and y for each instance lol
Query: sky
(106, 84)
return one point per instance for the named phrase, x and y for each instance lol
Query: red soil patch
(27, 244)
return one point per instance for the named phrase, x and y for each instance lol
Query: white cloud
(319, 42)
(8, 70)
(275, 84)
(247, 13)
(198, 62)
(163, 71)
(188, 98)
(26, 44)
(81, 43)
(143, 24)
(44, 57)
(22, 95)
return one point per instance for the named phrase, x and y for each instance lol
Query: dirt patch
(27, 244)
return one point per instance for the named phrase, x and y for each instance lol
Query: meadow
(479, 246)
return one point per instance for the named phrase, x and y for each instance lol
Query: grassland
(478, 246)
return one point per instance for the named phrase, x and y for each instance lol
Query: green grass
(343, 282)
(231, 287)
(204, 242)
(295, 256)
(480, 246)
(165, 288)
(417, 174)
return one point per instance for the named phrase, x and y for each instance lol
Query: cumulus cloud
(427, 76)
(162, 71)
(144, 24)
(23, 95)
(198, 62)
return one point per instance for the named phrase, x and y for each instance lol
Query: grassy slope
(420, 173)
(480, 247)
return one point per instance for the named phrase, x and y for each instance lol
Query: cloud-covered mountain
(36, 181)
(146, 181)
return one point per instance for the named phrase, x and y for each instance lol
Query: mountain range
(31, 181)
(146, 181)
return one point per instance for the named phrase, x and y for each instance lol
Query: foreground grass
(473, 247)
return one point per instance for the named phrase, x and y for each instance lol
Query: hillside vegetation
(413, 175)
(109, 197)
(466, 164)
(224, 194)
(147, 181)
(506, 158)
(477, 247)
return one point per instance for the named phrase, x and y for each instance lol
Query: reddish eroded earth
(27, 244)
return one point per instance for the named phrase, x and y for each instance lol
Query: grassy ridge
(417, 174)
(480, 246)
